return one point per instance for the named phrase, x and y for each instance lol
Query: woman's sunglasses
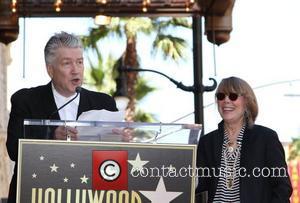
(232, 96)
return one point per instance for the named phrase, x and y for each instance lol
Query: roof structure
(86, 8)
(217, 13)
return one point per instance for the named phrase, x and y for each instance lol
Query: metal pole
(198, 66)
(199, 89)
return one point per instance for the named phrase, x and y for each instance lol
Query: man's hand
(62, 133)
(126, 133)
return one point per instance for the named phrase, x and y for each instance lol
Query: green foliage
(294, 149)
(170, 46)
(143, 116)
(142, 88)
(98, 75)
(101, 76)
(91, 41)
(138, 25)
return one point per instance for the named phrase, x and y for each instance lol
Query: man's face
(66, 71)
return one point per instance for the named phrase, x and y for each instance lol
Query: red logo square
(110, 170)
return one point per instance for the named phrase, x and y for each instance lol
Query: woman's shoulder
(263, 132)
(261, 128)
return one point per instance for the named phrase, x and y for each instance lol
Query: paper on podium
(100, 133)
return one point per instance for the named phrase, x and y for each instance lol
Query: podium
(157, 164)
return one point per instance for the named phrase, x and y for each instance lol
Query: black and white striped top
(230, 165)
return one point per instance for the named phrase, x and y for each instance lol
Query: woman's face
(232, 108)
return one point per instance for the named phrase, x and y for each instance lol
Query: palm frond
(164, 24)
(170, 47)
(142, 88)
(143, 116)
(181, 22)
(137, 25)
(98, 75)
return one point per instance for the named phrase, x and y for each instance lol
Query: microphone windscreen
(78, 89)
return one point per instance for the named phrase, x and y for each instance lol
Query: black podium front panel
(84, 172)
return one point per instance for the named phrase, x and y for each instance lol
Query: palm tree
(101, 77)
(171, 47)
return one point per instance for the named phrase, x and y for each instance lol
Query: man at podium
(61, 99)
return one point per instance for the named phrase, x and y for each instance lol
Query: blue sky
(263, 49)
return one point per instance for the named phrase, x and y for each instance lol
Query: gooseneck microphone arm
(78, 90)
(48, 130)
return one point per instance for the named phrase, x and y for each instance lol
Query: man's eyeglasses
(232, 96)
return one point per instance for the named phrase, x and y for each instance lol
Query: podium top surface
(112, 131)
(46, 122)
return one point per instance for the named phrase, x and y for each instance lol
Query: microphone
(78, 90)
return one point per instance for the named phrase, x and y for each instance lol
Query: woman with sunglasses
(241, 161)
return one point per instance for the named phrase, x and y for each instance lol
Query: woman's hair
(241, 87)
(59, 40)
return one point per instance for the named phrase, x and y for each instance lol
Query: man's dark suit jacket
(261, 150)
(39, 103)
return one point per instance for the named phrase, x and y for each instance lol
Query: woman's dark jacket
(262, 162)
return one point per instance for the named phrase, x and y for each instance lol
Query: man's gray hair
(59, 40)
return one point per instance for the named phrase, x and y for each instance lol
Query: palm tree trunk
(130, 60)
